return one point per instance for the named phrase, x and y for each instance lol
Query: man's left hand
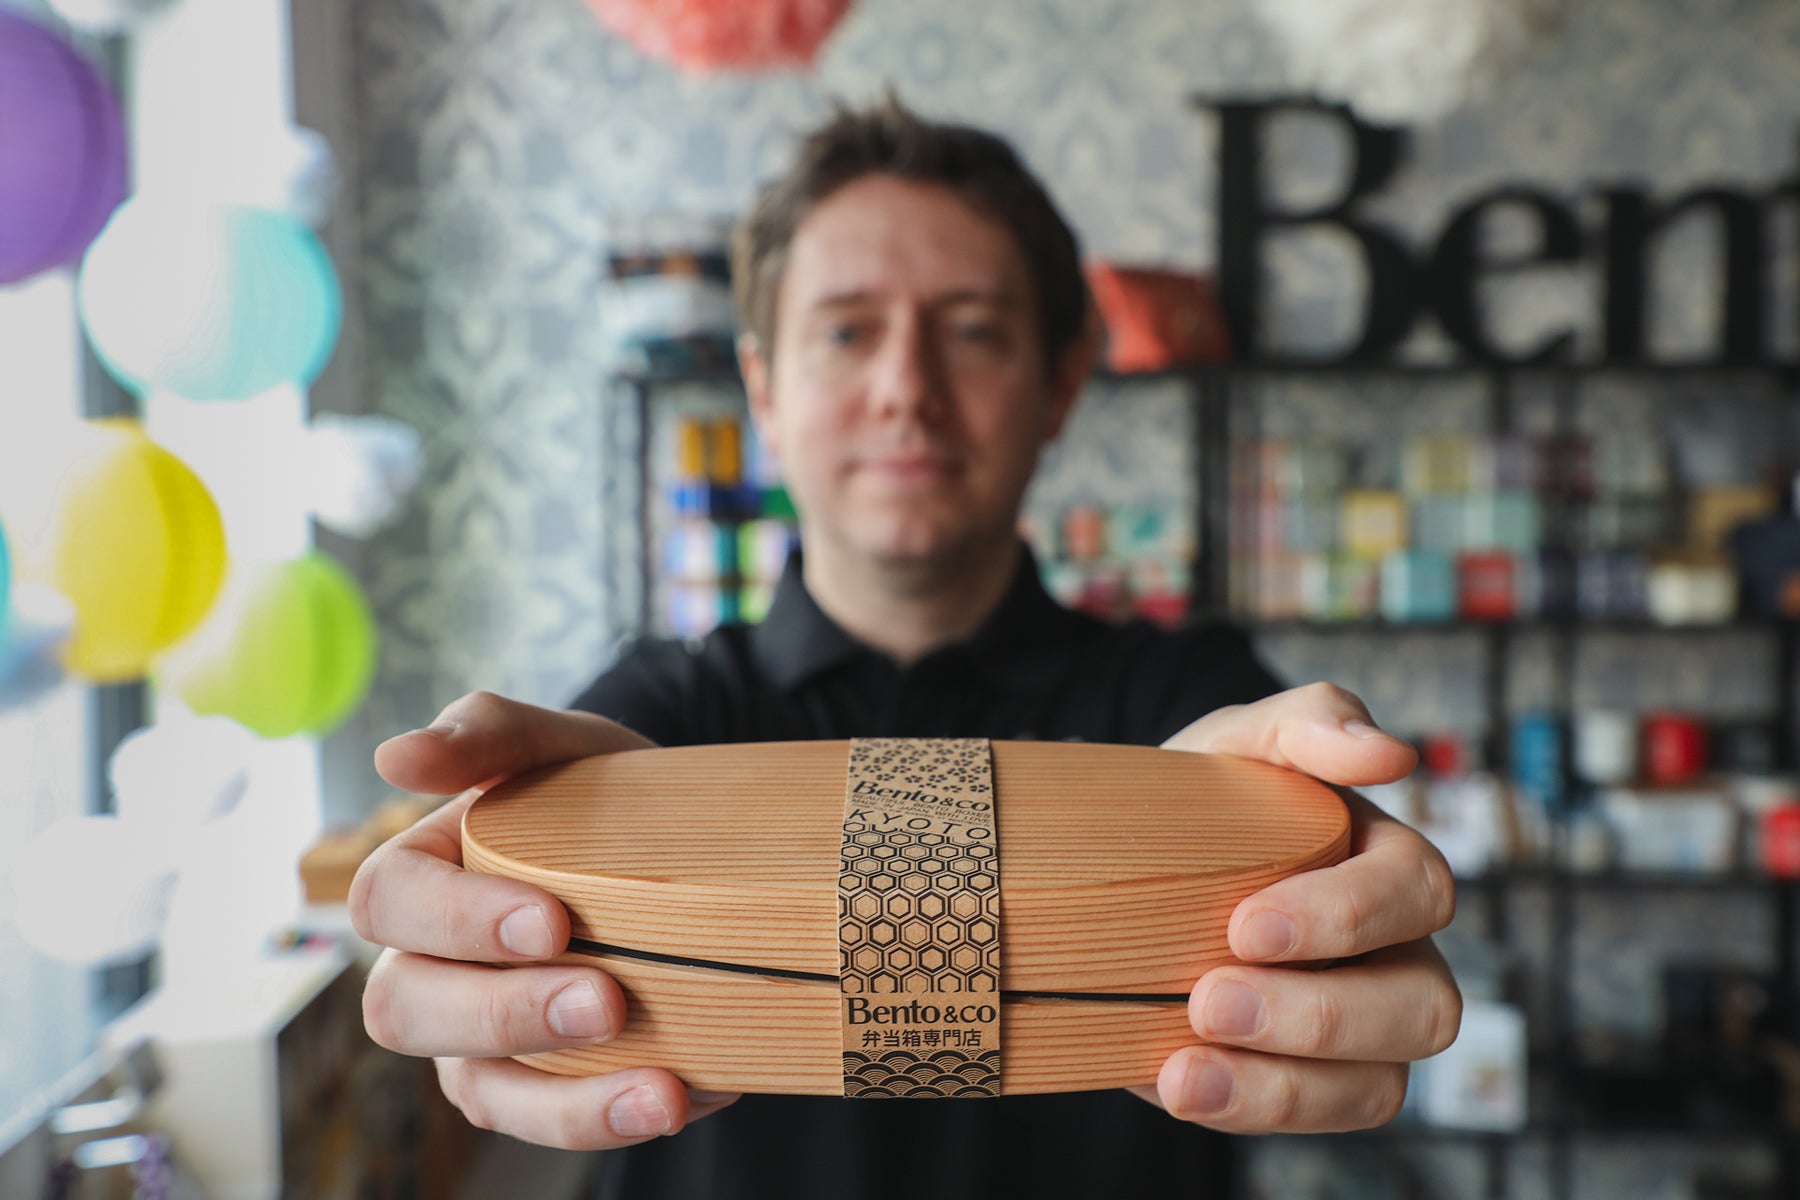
(1291, 1049)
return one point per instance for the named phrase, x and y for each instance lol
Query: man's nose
(908, 377)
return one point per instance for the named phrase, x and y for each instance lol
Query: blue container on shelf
(1537, 758)
(1418, 585)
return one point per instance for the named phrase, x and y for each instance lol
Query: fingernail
(1358, 728)
(441, 727)
(526, 932)
(638, 1113)
(1234, 1010)
(577, 1012)
(1268, 935)
(1207, 1088)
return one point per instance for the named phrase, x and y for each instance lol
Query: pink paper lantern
(725, 34)
(62, 150)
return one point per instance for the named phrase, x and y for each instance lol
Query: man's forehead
(880, 237)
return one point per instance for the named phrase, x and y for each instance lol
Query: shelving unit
(1559, 1115)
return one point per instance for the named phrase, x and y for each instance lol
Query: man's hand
(1309, 1051)
(433, 991)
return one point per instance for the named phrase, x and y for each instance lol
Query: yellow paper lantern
(135, 542)
(290, 648)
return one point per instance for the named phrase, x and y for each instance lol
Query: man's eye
(844, 335)
(980, 333)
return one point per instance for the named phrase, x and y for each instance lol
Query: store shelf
(1627, 881)
(1516, 625)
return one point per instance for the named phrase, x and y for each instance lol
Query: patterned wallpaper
(500, 142)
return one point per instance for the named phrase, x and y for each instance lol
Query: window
(52, 748)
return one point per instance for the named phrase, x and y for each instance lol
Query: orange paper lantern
(725, 34)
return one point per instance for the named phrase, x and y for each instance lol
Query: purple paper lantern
(62, 150)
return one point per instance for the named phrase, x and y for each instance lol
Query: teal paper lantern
(211, 302)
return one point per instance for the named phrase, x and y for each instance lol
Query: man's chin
(927, 552)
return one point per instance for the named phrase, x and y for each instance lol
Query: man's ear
(1072, 372)
(754, 366)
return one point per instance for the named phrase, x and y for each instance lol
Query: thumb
(483, 737)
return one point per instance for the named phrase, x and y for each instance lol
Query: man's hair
(889, 139)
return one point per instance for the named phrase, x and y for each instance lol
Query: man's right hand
(435, 990)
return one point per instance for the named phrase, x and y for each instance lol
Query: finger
(482, 737)
(1395, 887)
(1394, 1005)
(589, 1112)
(1241, 1091)
(412, 894)
(1320, 729)
(430, 1007)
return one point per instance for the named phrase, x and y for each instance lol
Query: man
(916, 331)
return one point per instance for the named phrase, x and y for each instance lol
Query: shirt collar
(796, 641)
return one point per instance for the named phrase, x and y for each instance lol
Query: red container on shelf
(1781, 841)
(1674, 747)
(1486, 586)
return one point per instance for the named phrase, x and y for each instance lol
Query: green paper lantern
(289, 649)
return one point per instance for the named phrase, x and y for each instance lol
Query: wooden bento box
(708, 881)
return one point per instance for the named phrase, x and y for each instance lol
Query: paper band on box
(919, 919)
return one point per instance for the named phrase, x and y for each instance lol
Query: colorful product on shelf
(1115, 562)
(1084, 533)
(1486, 586)
(1781, 841)
(763, 546)
(725, 454)
(1501, 521)
(1156, 318)
(699, 552)
(1605, 745)
(1537, 758)
(732, 531)
(1418, 585)
(1674, 748)
(1693, 588)
(1373, 523)
(1436, 465)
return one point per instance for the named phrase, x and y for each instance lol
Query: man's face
(906, 396)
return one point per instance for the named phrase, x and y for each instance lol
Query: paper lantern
(210, 301)
(135, 542)
(289, 649)
(62, 150)
(725, 34)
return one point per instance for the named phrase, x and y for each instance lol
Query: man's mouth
(910, 468)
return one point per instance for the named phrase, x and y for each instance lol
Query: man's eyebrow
(1004, 298)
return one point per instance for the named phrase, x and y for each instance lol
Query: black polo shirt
(1033, 670)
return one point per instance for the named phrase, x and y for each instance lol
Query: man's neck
(908, 610)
